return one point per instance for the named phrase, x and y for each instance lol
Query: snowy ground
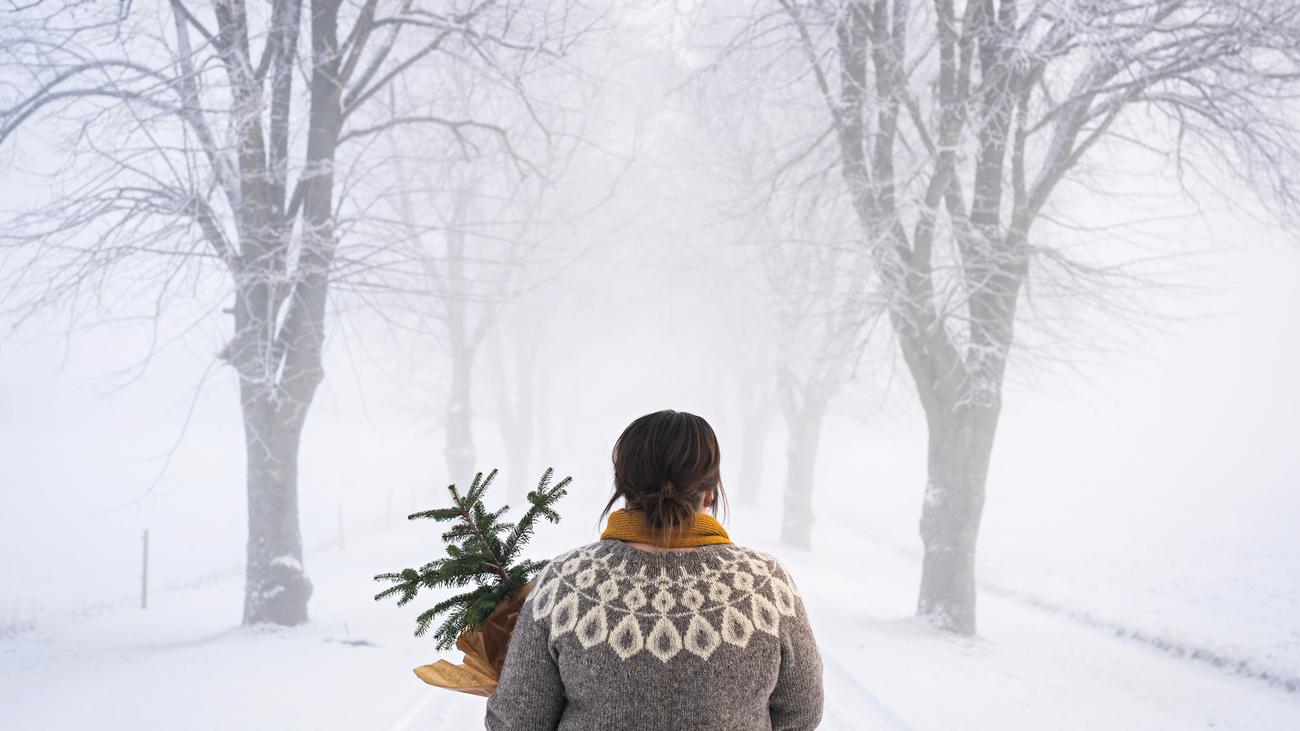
(185, 662)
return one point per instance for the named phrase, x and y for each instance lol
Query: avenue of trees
(949, 127)
(893, 169)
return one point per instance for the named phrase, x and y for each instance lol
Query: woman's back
(614, 637)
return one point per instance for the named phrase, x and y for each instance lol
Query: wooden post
(144, 571)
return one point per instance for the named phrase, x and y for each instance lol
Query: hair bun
(664, 462)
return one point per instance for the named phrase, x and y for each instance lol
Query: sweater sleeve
(796, 702)
(529, 694)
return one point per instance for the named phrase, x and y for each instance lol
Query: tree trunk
(280, 370)
(276, 587)
(514, 399)
(519, 442)
(960, 443)
(753, 447)
(458, 448)
(805, 435)
(756, 423)
(459, 445)
(541, 423)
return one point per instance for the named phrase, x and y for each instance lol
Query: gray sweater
(613, 637)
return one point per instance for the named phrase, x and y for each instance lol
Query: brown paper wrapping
(484, 648)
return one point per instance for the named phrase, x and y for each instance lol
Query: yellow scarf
(630, 525)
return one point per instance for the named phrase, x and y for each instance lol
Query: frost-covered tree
(217, 150)
(519, 378)
(951, 126)
(813, 288)
(823, 315)
(474, 221)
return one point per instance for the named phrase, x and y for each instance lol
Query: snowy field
(186, 662)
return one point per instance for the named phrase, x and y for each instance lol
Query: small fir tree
(481, 549)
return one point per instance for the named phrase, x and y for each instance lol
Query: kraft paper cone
(485, 651)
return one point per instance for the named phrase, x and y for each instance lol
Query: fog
(1137, 562)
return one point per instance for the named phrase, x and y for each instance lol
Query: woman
(663, 623)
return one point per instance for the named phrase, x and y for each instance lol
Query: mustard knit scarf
(630, 525)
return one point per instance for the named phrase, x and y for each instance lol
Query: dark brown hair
(664, 464)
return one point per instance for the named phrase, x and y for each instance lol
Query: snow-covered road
(186, 663)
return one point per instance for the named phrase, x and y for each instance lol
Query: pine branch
(477, 522)
(541, 500)
(476, 554)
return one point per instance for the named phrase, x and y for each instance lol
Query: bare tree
(952, 125)
(823, 320)
(193, 148)
(815, 294)
(516, 366)
(475, 221)
(463, 325)
(476, 273)
(756, 396)
(478, 241)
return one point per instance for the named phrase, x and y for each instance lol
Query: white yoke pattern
(729, 595)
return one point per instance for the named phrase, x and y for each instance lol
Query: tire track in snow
(412, 714)
(860, 709)
(1230, 664)
(442, 709)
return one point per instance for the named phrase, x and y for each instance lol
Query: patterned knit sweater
(613, 637)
